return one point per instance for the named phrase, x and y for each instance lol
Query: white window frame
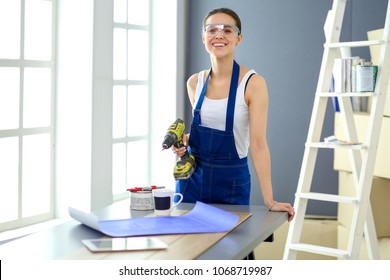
(128, 82)
(82, 110)
(164, 82)
(20, 132)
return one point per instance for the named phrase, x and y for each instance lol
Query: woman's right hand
(180, 151)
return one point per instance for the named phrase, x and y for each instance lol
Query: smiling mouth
(219, 45)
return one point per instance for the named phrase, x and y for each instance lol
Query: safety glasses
(226, 30)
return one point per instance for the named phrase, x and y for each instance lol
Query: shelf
(354, 44)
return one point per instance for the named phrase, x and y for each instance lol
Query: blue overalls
(221, 176)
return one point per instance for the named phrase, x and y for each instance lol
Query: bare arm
(191, 88)
(257, 99)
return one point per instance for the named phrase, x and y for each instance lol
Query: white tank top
(213, 113)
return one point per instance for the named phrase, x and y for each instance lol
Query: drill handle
(186, 156)
(180, 143)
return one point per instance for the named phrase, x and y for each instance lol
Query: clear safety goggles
(226, 30)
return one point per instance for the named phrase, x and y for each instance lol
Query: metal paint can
(141, 200)
(366, 77)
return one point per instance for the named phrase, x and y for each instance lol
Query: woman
(230, 105)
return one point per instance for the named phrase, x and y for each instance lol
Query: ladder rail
(372, 139)
(350, 128)
(370, 236)
(332, 31)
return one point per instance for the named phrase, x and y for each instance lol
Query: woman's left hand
(284, 207)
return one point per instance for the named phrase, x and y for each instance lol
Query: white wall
(74, 105)
(167, 81)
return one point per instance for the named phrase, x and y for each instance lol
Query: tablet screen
(124, 244)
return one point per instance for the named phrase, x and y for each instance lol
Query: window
(131, 91)
(26, 111)
(144, 92)
(59, 97)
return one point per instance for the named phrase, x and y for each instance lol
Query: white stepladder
(362, 156)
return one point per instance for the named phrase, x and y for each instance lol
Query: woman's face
(220, 35)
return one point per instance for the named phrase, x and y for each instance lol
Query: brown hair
(227, 11)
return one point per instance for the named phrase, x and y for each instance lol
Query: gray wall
(283, 41)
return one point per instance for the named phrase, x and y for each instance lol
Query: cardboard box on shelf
(375, 53)
(341, 156)
(343, 239)
(379, 197)
(375, 50)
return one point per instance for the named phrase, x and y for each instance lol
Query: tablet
(124, 244)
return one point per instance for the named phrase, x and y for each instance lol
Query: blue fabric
(221, 176)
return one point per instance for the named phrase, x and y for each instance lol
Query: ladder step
(327, 197)
(329, 145)
(345, 94)
(321, 250)
(354, 44)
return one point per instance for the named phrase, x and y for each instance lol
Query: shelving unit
(362, 157)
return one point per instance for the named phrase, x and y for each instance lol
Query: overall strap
(231, 100)
(196, 119)
(232, 97)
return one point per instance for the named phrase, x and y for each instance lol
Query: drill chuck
(169, 140)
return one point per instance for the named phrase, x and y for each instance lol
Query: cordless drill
(186, 165)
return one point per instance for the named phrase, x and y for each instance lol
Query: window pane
(36, 175)
(37, 97)
(138, 58)
(10, 29)
(120, 11)
(119, 54)
(119, 184)
(9, 179)
(137, 163)
(119, 112)
(9, 97)
(38, 24)
(137, 122)
(138, 12)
